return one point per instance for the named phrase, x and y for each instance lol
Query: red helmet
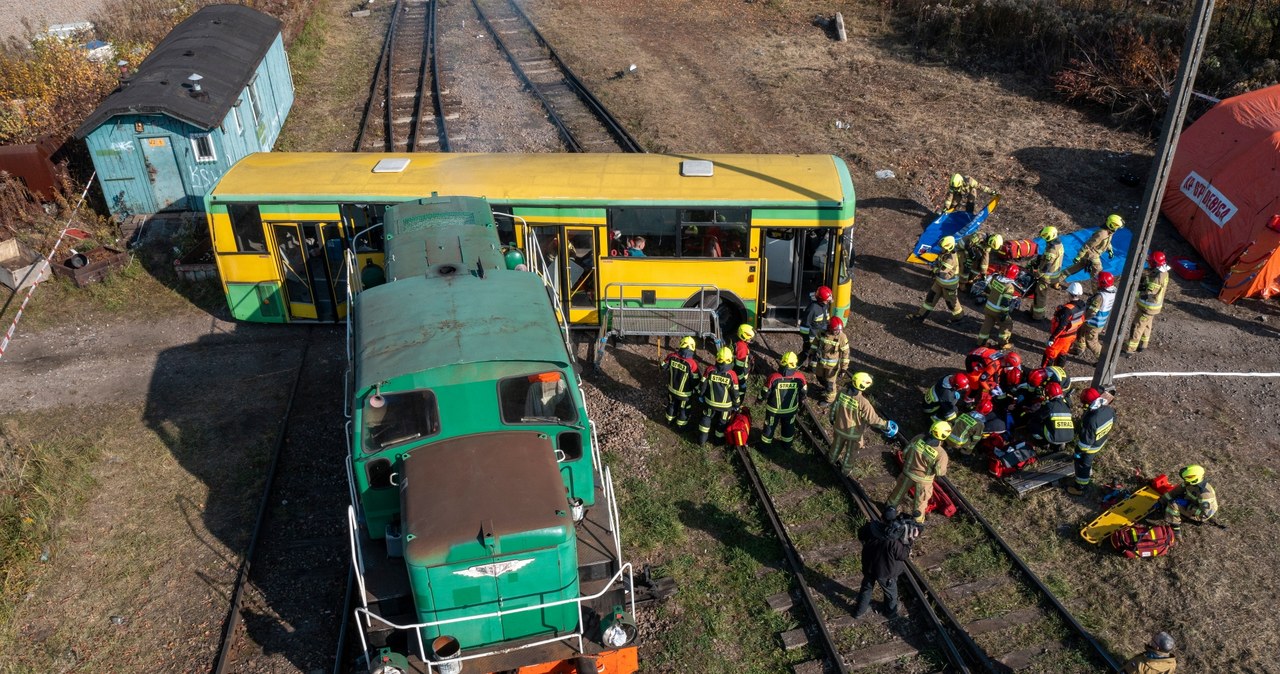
(1157, 259)
(823, 294)
(835, 325)
(1089, 395)
(960, 381)
(1053, 390)
(1106, 279)
(1012, 272)
(1037, 378)
(985, 407)
(1012, 360)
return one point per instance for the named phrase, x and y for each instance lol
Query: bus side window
(657, 226)
(713, 233)
(246, 225)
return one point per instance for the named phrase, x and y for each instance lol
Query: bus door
(291, 255)
(579, 263)
(797, 262)
(310, 260)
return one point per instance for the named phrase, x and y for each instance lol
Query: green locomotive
(483, 526)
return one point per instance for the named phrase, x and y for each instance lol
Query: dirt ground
(716, 76)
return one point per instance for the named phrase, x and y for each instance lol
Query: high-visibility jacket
(977, 256)
(1098, 311)
(1097, 244)
(1095, 426)
(741, 359)
(1000, 295)
(720, 388)
(1203, 499)
(1059, 428)
(968, 191)
(786, 390)
(832, 350)
(946, 268)
(1058, 374)
(682, 373)
(939, 394)
(852, 413)
(925, 459)
(966, 430)
(1151, 290)
(1151, 662)
(1050, 267)
(815, 318)
(1067, 320)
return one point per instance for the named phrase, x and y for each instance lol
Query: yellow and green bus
(759, 232)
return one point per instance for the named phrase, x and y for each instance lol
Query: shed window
(204, 148)
(235, 114)
(536, 398)
(246, 225)
(392, 419)
(253, 98)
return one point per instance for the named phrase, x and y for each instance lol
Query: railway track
(405, 109)
(972, 604)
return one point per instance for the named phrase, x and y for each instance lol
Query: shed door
(162, 173)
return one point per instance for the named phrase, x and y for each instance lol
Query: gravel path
(40, 15)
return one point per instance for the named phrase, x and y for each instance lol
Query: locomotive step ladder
(631, 309)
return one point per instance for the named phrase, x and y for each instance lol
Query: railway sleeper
(884, 653)
(1022, 659)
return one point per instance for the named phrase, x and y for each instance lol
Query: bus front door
(310, 256)
(579, 265)
(291, 255)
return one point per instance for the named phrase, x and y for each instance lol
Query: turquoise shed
(217, 88)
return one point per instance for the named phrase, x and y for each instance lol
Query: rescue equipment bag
(1005, 461)
(1019, 248)
(1143, 540)
(739, 429)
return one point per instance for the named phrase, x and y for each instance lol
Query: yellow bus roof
(587, 177)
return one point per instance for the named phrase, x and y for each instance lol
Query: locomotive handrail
(356, 558)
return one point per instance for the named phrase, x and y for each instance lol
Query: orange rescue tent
(1223, 193)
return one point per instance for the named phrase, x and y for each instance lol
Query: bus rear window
(536, 398)
(392, 419)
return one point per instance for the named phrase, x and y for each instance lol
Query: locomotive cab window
(536, 398)
(392, 419)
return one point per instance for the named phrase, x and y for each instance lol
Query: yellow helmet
(1114, 222)
(1193, 474)
(789, 359)
(1049, 233)
(862, 381)
(724, 355)
(746, 332)
(940, 430)
(688, 343)
(995, 241)
(957, 180)
(948, 243)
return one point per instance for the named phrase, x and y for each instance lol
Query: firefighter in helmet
(682, 381)
(815, 319)
(721, 396)
(1048, 271)
(1194, 498)
(784, 393)
(742, 353)
(1001, 295)
(1092, 434)
(831, 353)
(977, 257)
(851, 415)
(1097, 313)
(946, 283)
(1151, 289)
(963, 192)
(924, 459)
(1090, 255)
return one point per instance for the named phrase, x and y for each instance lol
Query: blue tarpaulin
(1073, 242)
(956, 223)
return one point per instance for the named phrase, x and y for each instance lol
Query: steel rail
(624, 139)
(565, 133)
(232, 622)
(389, 108)
(437, 103)
(412, 140)
(793, 561)
(383, 56)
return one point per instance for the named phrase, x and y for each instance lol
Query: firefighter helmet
(940, 430)
(1106, 280)
(1012, 272)
(1158, 259)
(1089, 395)
(948, 243)
(959, 381)
(746, 332)
(1161, 641)
(688, 343)
(789, 359)
(1193, 474)
(823, 294)
(1075, 289)
(995, 241)
(1114, 222)
(984, 407)
(957, 181)
(724, 355)
(835, 325)
(1037, 378)
(1053, 390)
(862, 381)
(1012, 360)
(1049, 233)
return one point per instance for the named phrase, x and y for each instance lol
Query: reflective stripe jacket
(1204, 500)
(815, 318)
(1000, 295)
(939, 395)
(720, 388)
(1099, 309)
(1095, 425)
(852, 413)
(1151, 663)
(1151, 291)
(958, 196)
(966, 430)
(1097, 244)
(1050, 267)
(786, 390)
(977, 256)
(1059, 428)
(682, 373)
(1067, 320)
(924, 459)
(946, 268)
(741, 359)
(832, 350)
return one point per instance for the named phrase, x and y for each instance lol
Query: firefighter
(815, 318)
(851, 415)
(941, 399)
(1090, 255)
(1157, 659)
(742, 354)
(1048, 272)
(946, 283)
(1096, 314)
(785, 391)
(924, 459)
(1054, 426)
(682, 381)
(983, 364)
(1012, 374)
(964, 191)
(1066, 323)
(1001, 293)
(720, 397)
(967, 429)
(1194, 498)
(977, 257)
(1151, 288)
(831, 353)
(1095, 426)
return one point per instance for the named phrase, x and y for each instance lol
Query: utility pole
(1126, 299)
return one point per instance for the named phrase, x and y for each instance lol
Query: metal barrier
(626, 312)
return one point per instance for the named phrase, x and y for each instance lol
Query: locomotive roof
(504, 483)
(222, 43)
(418, 324)
(580, 178)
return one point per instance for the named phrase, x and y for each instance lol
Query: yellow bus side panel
(247, 268)
(739, 276)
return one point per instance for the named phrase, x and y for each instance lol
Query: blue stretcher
(956, 223)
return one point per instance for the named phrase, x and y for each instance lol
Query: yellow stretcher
(1123, 514)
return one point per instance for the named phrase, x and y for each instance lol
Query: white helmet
(1075, 288)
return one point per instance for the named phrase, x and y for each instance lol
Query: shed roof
(222, 43)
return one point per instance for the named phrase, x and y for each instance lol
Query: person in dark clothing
(814, 321)
(886, 547)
